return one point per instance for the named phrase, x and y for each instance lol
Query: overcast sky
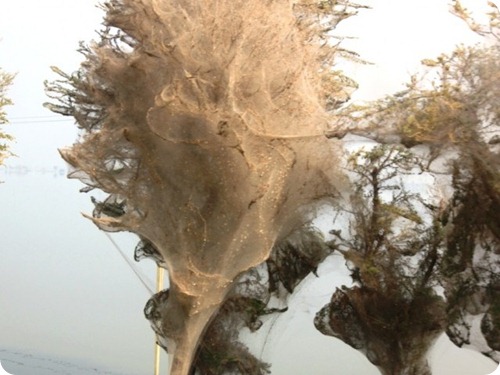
(66, 294)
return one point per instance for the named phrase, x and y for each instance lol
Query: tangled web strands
(204, 121)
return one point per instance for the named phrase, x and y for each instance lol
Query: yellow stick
(159, 287)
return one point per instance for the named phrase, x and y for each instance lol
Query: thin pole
(159, 287)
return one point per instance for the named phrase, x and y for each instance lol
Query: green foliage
(452, 104)
(449, 110)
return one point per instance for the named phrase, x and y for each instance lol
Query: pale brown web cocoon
(205, 121)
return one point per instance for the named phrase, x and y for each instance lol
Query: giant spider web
(204, 121)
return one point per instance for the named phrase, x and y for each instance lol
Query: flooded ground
(17, 362)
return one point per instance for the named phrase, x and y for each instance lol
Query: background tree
(5, 81)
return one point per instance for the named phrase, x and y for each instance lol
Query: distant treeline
(20, 170)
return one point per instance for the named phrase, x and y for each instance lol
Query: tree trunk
(187, 344)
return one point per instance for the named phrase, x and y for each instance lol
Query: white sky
(65, 292)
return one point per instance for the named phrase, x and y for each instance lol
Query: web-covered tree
(5, 81)
(461, 114)
(392, 246)
(456, 117)
(205, 122)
